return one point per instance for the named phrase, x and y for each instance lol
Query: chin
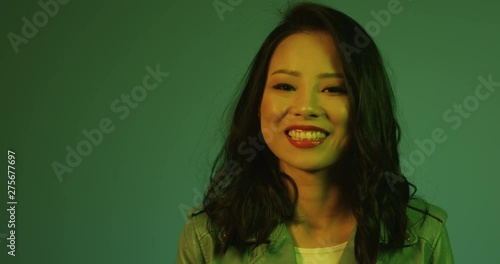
(309, 165)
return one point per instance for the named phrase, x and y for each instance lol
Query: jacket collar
(281, 246)
(411, 236)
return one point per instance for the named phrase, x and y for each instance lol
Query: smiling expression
(305, 86)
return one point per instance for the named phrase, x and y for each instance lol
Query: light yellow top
(319, 255)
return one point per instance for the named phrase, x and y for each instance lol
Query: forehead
(307, 51)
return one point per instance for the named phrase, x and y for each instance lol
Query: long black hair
(248, 194)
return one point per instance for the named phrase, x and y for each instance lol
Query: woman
(309, 172)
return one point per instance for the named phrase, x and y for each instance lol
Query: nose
(307, 104)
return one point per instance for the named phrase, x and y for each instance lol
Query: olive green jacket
(426, 243)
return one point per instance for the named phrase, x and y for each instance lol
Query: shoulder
(195, 211)
(427, 238)
(426, 220)
(195, 243)
(197, 222)
(419, 208)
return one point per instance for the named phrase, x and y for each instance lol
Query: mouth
(306, 135)
(306, 139)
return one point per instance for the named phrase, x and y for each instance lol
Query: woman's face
(305, 87)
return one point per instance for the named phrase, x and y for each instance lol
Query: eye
(336, 89)
(283, 86)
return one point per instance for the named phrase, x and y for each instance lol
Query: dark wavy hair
(248, 195)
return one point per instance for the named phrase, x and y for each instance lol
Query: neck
(321, 204)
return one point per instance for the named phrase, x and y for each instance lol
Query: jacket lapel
(348, 255)
(281, 248)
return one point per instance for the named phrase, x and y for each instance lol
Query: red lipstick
(305, 143)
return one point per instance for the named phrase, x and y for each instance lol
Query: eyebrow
(320, 76)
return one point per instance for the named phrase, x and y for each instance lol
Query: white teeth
(306, 135)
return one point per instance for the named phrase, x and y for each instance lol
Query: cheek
(343, 124)
(271, 120)
(340, 112)
(268, 103)
(270, 113)
(343, 117)
(339, 117)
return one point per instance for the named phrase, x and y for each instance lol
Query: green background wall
(124, 201)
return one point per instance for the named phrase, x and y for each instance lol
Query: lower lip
(305, 143)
